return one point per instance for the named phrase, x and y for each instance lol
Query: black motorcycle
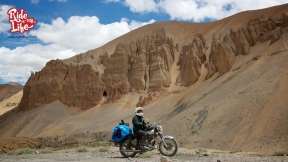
(166, 145)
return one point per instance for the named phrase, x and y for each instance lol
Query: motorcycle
(166, 145)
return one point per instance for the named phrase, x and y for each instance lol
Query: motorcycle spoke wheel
(125, 147)
(171, 149)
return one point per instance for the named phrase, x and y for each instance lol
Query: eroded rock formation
(239, 42)
(144, 65)
(145, 99)
(192, 56)
(73, 85)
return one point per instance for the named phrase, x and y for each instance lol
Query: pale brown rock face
(144, 65)
(238, 42)
(144, 100)
(73, 85)
(192, 56)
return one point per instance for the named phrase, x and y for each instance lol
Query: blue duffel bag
(121, 131)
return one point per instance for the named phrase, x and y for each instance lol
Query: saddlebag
(121, 131)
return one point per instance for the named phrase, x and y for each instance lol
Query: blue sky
(68, 27)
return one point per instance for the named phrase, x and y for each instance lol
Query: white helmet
(139, 111)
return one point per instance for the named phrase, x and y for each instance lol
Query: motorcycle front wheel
(126, 148)
(171, 149)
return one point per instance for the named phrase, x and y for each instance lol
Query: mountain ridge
(222, 99)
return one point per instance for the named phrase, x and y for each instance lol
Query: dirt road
(112, 155)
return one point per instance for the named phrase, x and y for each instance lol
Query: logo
(19, 20)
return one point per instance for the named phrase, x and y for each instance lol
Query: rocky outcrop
(103, 59)
(9, 89)
(222, 55)
(143, 65)
(73, 85)
(191, 58)
(145, 99)
(238, 42)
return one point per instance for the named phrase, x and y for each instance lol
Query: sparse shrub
(145, 155)
(82, 149)
(280, 153)
(202, 151)
(21, 151)
(45, 151)
(103, 149)
(234, 152)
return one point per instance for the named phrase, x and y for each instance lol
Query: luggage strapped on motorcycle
(121, 131)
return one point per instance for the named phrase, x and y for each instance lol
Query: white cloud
(17, 64)
(196, 10)
(4, 25)
(35, 1)
(62, 1)
(77, 29)
(63, 39)
(142, 5)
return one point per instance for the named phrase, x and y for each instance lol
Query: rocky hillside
(219, 85)
(9, 89)
(145, 65)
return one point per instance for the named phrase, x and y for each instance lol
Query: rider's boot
(143, 145)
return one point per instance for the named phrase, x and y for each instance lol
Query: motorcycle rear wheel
(125, 145)
(171, 149)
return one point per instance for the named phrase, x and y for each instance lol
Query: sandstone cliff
(144, 65)
(238, 42)
(76, 86)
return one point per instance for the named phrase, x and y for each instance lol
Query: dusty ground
(112, 155)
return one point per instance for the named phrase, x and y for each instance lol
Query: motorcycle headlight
(159, 128)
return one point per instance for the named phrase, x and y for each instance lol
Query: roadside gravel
(112, 155)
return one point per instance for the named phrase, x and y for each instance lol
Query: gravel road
(112, 155)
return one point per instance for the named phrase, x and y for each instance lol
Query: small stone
(164, 159)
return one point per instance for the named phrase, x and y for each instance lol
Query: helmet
(139, 111)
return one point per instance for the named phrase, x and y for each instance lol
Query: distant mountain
(9, 89)
(14, 84)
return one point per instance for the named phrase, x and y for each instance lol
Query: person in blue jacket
(138, 127)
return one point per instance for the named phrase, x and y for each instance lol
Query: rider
(138, 125)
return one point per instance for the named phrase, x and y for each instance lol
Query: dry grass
(21, 151)
(45, 151)
(145, 155)
(82, 149)
(103, 149)
(280, 153)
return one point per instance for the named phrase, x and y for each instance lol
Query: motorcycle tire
(171, 149)
(126, 145)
